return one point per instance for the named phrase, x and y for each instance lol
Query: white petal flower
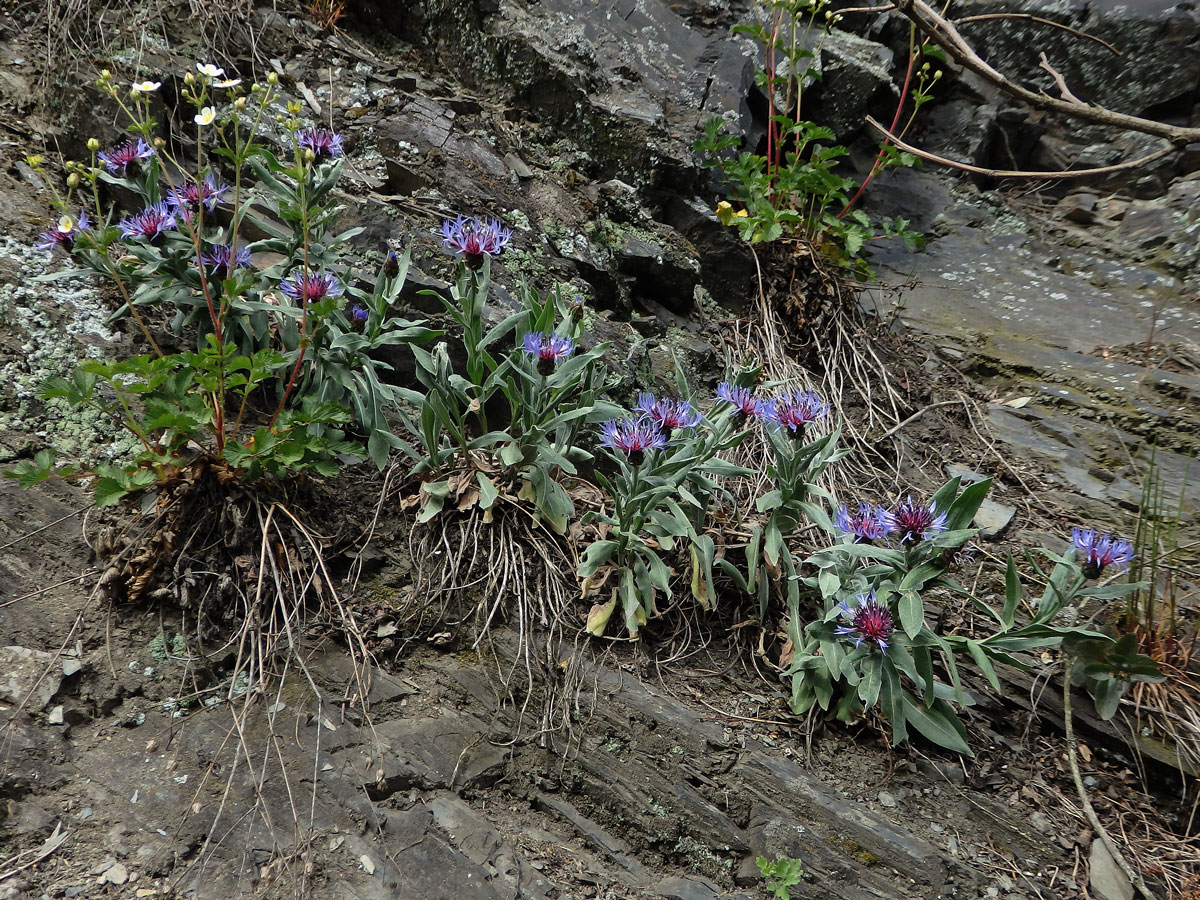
(146, 87)
(205, 116)
(210, 70)
(66, 224)
(232, 82)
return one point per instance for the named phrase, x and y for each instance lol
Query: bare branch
(1040, 21)
(1061, 175)
(943, 32)
(1058, 80)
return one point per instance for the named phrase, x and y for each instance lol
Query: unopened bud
(105, 74)
(309, 155)
(73, 180)
(937, 74)
(189, 78)
(239, 103)
(272, 78)
(159, 143)
(93, 144)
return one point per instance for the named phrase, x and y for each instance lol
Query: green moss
(860, 853)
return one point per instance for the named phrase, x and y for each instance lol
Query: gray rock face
(1159, 43)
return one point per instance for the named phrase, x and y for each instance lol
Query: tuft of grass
(325, 13)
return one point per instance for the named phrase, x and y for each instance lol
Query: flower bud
(239, 103)
(105, 75)
(309, 155)
(272, 78)
(189, 78)
(937, 74)
(73, 180)
(93, 144)
(391, 265)
(159, 143)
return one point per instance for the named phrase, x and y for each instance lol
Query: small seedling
(781, 874)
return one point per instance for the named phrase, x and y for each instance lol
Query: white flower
(146, 87)
(232, 82)
(66, 225)
(205, 116)
(210, 70)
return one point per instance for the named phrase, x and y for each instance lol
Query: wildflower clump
(283, 364)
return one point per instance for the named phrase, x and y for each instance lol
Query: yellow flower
(205, 116)
(726, 213)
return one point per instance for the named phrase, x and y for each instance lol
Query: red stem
(912, 55)
(291, 381)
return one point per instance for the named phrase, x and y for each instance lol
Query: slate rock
(28, 676)
(1105, 877)
(993, 519)
(674, 888)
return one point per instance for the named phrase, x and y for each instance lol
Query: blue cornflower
(221, 256)
(918, 521)
(474, 239)
(64, 232)
(118, 158)
(633, 437)
(743, 400)
(793, 411)
(321, 141)
(547, 349)
(191, 194)
(311, 288)
(869, 620)
(359, 313)
(150, 222)
(669, 414)
(1101, 551)
(869, 524)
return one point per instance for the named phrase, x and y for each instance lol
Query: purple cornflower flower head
(1101, 551)
(869, 620)
(150, 222)
(743, 400)
(869, 524)
(221, 256)
(633, 437)
(193, 193)
(474, 239)
(358, 313)
(793, 411)
(321, 141)
(311, 288)
(547, 349)
(64, 232)
(669, 414)
(918, 521)
(118, 158)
